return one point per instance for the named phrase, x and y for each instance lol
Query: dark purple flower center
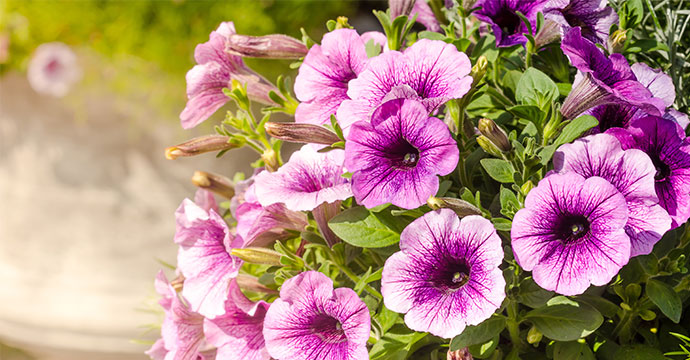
(328, 329)
(573, 228)
(403, 155)
(452, 275)
(662, 169)
(576, 20)
(508, 21)
(52, 67)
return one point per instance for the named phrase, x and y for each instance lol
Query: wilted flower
(238, 334)
(53, 69)
(502, 15)
(632, 173)
(182, 332)
(429, 71)
(446, 274)
(571, 233)
(259, 225)
(309, 181)
(602, 80)
(396, 158)
(311, 321)
(204, 257)
(593, 17)
(668, 147)
(215, 70)
(274, 46)
(321, 84)
(620, 115)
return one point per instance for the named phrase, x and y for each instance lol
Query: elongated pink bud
(301, 133)
(274, 46)
(218, 184)
(199, 145)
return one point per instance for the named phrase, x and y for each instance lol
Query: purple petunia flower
(571, 233)
(53, 69)
(204, 257)
(620, 115)
(309, 181)
(238, 334)
(396, 158)
(312, 321)
(668, 147)
(446, 274)
(215, 70)
(321, 84)
(632, 173)
(602, 80)
(429, 71)
(182, 331)
(593, 17)
(507, 26)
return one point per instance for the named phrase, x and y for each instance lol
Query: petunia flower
(214, 71)
(668, 147)
(502, 15)
(321, 84)
(309, 181)
(571, 233)
(53, 69)
(312, 321)
(429, 71)
(632, 173)
(602, 80)
(396, 158)
(204, 257)
(182, 333)
(238, 334)
(446, 274)
(593, 17)
(659, 85)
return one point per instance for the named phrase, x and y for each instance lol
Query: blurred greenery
(143, 48)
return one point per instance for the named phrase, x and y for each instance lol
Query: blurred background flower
(88, 197)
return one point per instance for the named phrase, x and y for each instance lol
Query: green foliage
(563, 319)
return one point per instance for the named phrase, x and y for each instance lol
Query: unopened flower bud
(467, 5)
(199, 145)
(270, 158)
(526, 187)
(549, 32)
(177, 283)
(460, 354)
(478, 70)
(218, 184)
(251, 283)
(400, 7)
(488, 146)
(342, 23)
(616, 42)
(493, 132)
(301, 133)
(534, 335)
(461, 207)
(274, 46)
(257, 255)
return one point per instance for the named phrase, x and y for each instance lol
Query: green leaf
(502, 224)
(386, 318)
(500, 170)
(639, 352)
(395, 344)
(536, 88)
(572, 350)
(359, 227)
(483, 351)
(478, 334)
(563, 319)
(431, 35)
(532, 294)
(663, 296)
(570, 132)
(604, 306)
(528, 112)
(372, 49)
